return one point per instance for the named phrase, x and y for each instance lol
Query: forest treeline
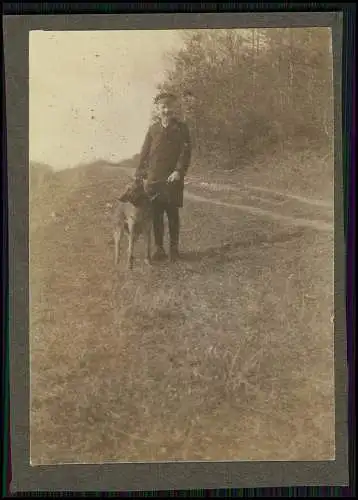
(252, 91)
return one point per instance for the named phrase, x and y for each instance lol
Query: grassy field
(226, 355)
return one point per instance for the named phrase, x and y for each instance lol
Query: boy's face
(166, 109)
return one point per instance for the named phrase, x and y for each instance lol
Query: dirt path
(246, 193)
(315, 224)
(280, 194)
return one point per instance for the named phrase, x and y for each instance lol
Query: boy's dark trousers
(160, 208)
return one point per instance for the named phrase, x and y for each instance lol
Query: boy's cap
(165, 96)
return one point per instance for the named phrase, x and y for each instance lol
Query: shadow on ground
(223, 253)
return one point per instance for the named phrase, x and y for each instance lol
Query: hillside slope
(226, 355)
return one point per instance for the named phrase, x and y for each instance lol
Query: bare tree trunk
(237, 50)
(291, 103)
(253, 65)
(310, 71)
(291, 67)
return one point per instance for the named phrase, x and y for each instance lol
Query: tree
(253, 88)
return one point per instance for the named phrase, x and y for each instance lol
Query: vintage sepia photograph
(181, 245)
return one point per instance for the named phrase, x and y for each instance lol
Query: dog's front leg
(131, 238)
(117, 236)
(149, 234)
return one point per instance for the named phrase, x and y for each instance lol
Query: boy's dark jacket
(164, 151)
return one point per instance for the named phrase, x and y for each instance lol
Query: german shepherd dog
(133, 216)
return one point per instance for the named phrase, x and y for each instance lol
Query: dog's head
(134, 193)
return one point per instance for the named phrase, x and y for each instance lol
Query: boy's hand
(175, 176)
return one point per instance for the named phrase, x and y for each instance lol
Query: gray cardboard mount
(148, 476)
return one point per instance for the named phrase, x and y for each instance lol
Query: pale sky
(91, 92)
